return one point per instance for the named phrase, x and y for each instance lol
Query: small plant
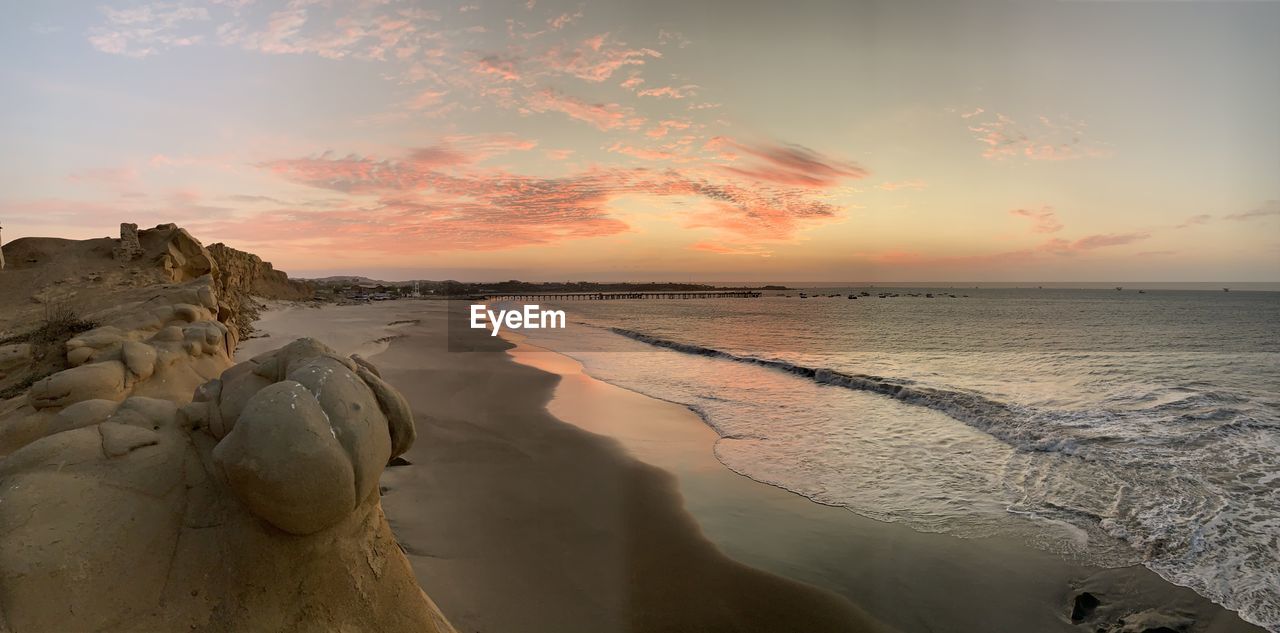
(60, 323)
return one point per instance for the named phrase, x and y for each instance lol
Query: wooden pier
(607, 296)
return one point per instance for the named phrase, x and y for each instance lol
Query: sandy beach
(541, 499)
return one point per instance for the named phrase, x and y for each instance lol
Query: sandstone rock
(393, 406)
(139, 358)
(81, 414)
(79, 356)
(120, 439)
(103, 380)
(359, 360)
(354, 417)
(129, 247)
(184, 258)
(125, 513)
(17, 356)
(284, 462)
(145, 413)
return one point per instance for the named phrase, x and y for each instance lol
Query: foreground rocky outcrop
(153, 485)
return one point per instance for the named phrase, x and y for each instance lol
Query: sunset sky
(659, 139)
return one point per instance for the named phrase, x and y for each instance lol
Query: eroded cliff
(149, 483)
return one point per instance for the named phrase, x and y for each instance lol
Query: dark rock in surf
(1084, 606)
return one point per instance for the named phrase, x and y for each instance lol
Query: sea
(1114, 425)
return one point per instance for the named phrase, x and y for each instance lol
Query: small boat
(1142, 292)
(1226, 290)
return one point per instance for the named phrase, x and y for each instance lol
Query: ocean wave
(1164, 469)
(971, 408)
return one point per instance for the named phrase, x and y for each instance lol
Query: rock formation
(153, 485)
(242, 276)
(129, 248)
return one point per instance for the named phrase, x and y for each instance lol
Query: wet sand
(541, 499)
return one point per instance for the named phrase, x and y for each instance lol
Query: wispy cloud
(564, 19)
(1092, 242)
(1044, 219)
(147, 29)
(604, 116)
(594, 59)
(793, 165)
(1045, 139)
(1195, 220)
(904, 184)
(670, 92)
(1268, 208)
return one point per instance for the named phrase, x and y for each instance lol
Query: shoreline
(755, 522)
(910, 581)
(516, 521)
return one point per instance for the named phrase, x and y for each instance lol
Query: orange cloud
(1043, 221)
(905, 184)
(437, 187)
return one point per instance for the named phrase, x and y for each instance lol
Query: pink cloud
(1048, 140)
(669, 92)
(641, 153)
(500, 67)
(437, 179)
(427, 98)
(604, 116)
(666, 126)
(794, 165)
(595, 59)
(563, 20)
(1045, 220)
(1091, 242)
(147, 29)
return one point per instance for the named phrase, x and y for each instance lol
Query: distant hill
(352, 279)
